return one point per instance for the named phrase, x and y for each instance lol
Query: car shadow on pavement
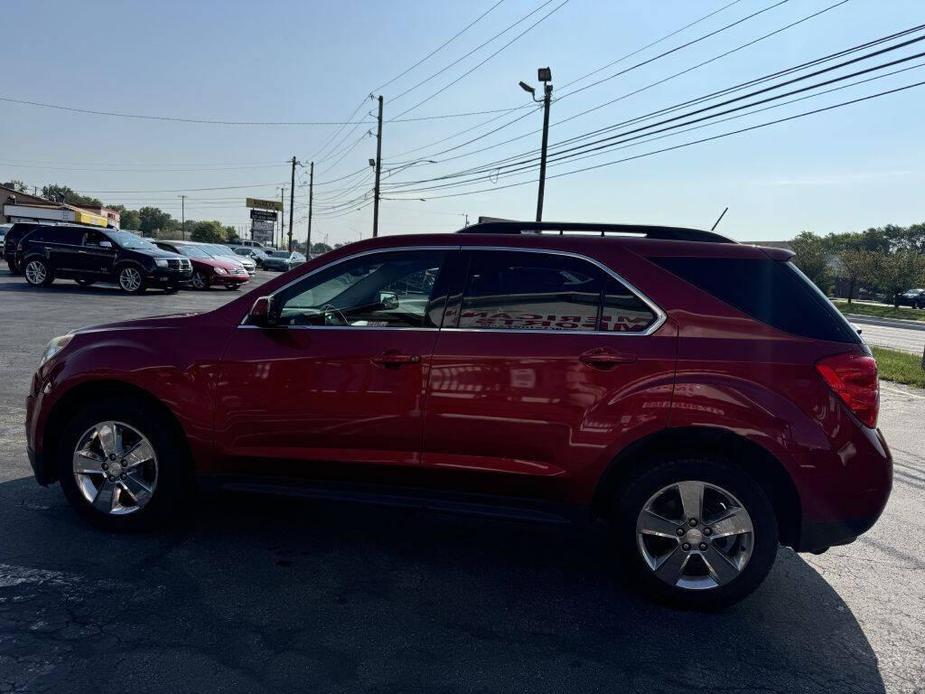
(65, 287)
(261, 594)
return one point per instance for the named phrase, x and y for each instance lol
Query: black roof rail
(649, 232)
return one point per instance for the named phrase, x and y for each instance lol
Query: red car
(701, 396)
(208, 270)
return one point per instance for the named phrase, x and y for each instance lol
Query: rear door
(546, 365)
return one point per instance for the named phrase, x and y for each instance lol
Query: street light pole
(544, 75)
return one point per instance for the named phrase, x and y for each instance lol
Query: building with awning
(16, 206)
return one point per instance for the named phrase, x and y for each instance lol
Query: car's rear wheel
(696, 533)
(200, 280)
(38, 273)
(120, 465)
(131, 280)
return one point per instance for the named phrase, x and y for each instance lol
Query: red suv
(701, 396)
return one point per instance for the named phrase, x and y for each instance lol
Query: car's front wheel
(120, 465)
(200, 280)
(38, 273)
(696, 533)
(132, 280)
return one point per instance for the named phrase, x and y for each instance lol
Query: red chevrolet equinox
(699, 396)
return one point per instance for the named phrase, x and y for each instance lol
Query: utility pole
(311, 193)
(183, 217)
(291, 201)
(378, 172)
(282, 216)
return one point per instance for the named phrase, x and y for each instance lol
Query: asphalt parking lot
(259, 595)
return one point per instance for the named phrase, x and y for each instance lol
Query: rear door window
(520, 290)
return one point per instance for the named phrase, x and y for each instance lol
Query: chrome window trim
(660, 315)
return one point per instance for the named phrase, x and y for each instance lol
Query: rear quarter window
(771, 291)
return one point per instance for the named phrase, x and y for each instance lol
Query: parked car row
(43, 253)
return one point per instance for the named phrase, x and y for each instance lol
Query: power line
(440, 47)
(641, 89)
(505, 46)
(466, 55)
(513, 160)
(691, 143)
(689, 43)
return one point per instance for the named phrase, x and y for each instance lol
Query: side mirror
(263, 313)
(388, 301)
(105, 244)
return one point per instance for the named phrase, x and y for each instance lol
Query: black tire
(84, 282)
(13, 266)
(729, 477)
(131, 279)
(174, 484)
(38, 272)
(200, 280)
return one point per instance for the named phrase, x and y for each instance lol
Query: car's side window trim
(660, 315)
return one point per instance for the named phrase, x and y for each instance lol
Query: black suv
(87, 255)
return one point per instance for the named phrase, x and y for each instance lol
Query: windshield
(192, 252)
(124, 239)
(216, 250)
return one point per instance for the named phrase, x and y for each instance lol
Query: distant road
(906, 336)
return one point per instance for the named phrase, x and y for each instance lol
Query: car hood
(168, 320)
(228, 264)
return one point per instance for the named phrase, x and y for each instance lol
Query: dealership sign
(263, 216)
(264, 204)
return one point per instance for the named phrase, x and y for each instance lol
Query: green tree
(319, 248)
(209, 232)
(899, 271)
(152, 220)
(16, 185)
(857, 266)
(59, 193)
(812, 257)
(130, 219)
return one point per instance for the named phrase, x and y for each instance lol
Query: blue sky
(842, 170)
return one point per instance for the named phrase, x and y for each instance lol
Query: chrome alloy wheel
(200, 281)
(36, 272)
(130, 279)
(115, 467)
(695, 535)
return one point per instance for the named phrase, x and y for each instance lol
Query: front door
(96, 255)
(336, 389)
(546, 364)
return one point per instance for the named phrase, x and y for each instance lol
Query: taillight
(853, 377)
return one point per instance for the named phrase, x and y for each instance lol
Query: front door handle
(395, 358)
(604, 358)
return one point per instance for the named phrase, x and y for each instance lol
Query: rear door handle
(395, 358)
(604, 358)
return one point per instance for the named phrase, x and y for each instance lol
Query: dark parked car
(208, 270)
(3, 229)
(11, 240)
(88, 254)
(700, 396)
(914, 298)
(282, 261)
(256, 254)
